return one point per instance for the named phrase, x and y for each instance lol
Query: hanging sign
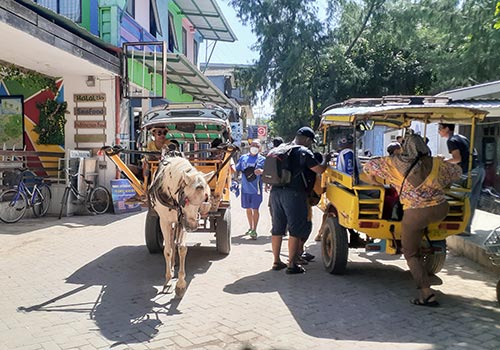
(89, 97)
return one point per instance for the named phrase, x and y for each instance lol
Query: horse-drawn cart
(201, 133)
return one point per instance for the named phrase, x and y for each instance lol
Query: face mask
(254, 150)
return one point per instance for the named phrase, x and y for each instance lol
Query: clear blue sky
(234, 53)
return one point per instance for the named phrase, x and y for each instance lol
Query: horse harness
(169, 199)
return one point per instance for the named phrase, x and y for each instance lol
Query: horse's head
(194, 199)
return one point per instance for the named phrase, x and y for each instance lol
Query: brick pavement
(89, 283)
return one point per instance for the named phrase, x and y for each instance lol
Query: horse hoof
(179, 292)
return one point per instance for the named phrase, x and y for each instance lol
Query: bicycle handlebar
(66, 170)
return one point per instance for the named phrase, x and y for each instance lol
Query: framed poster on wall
(11, 122)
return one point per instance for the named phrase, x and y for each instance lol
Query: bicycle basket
(11, 178)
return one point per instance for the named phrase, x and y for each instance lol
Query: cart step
(370, 201)
(369, 211)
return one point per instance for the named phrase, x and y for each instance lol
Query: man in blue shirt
(251, 165)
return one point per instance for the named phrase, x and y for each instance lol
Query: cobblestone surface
(89, 283)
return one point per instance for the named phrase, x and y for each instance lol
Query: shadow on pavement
(128, 307)
(28, 225)
(368, 303)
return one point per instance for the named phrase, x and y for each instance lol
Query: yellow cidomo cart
(350, 204)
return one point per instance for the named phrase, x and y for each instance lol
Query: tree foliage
(365, 48)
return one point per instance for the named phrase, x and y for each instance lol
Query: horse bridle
(169, 200)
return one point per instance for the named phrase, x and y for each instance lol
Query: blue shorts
(251, 201)
(289, 208)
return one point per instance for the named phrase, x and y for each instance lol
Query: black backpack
(276, 165)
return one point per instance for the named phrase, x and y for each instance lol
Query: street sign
(262, 131)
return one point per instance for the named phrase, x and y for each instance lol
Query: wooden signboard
(90, 138)
(93, 105)
(90, 124)
(90, 110)
(89, 97)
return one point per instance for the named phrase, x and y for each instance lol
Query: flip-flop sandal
(277, 266)
(295, 270)
(302, 261)
(307, 257)
(427, 301)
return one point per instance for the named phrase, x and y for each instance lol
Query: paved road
(89, 283)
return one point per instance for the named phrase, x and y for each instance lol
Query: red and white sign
(262, 131)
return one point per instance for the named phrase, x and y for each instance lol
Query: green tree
(289, 40)
(365, 48)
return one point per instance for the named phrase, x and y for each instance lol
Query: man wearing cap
(289, 202)
(251, 165)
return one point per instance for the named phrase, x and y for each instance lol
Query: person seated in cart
(155, 145)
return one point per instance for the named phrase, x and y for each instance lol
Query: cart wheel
(434, 261)
(223, 232)
(334, 246)
(154, 236)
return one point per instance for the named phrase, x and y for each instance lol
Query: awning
(184, 74)
(207, 18)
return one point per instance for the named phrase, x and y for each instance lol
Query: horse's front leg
(166, 229)
(180, 286)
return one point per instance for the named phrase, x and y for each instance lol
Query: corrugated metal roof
(182, 72)
(477, 103)
(398, 114)
(207, 18)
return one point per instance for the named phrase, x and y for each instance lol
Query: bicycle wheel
(41, 200)
(12, 206)
(64, 201)
(99, 200)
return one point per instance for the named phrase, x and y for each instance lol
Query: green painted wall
(86, 14)
(176, 14)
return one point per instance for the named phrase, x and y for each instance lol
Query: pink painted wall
(190, 38)
(142, 13)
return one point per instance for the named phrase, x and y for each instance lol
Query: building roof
(490, 89)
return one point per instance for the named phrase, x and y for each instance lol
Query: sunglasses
(160, 133)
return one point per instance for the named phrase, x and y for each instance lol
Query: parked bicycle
(14, 202)
(95, 198)
(492, 245)
(489, 200)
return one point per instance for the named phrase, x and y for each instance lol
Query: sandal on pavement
(301, 261)
(427, 301)
(296, 269)
(280, 265)
(307, 256)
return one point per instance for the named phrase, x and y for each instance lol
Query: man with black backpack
(289, 168)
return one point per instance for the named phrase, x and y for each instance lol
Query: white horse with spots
(179, 193)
